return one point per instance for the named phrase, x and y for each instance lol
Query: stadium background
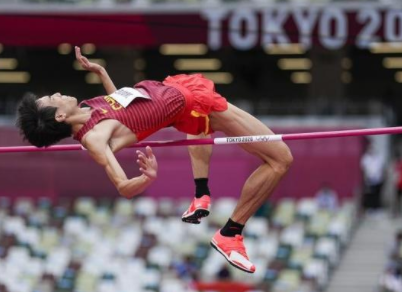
(299, 66)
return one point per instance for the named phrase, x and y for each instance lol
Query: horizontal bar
(225, 140)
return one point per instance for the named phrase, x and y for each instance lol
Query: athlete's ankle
(201, 187)
(231, 229)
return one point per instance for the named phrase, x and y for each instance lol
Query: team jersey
(182, 101)
(143, 116)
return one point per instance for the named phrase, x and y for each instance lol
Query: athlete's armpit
(103, 155)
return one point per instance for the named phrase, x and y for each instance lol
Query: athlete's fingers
(147, 163)
(149, 152)
(77, 52)
(85, 60)
(143, 155)
(142, 160)
(80, 57)
(142, 164)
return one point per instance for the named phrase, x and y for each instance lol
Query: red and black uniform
(182, 101)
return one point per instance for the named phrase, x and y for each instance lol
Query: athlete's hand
(147, 162)
(84, 62)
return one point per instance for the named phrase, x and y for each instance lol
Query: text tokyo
(331, 27)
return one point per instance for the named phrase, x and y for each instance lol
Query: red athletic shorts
(201, 99)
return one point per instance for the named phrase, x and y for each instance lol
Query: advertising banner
(242, 29)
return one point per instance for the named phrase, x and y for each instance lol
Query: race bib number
(126, 95)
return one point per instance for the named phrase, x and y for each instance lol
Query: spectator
(186, 269)
(395, 256)
(373, 165)
(224, 274)
(398, 186)
(391, 280)
(327, 198)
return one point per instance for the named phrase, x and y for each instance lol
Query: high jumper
(104, 125)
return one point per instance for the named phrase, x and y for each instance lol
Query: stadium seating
(142, 245)
(390, 280)
(134, 2)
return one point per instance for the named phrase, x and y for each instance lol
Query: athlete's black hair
(38, 124)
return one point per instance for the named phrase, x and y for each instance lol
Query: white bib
(126, 95)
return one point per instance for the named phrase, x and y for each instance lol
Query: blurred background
(334, 222)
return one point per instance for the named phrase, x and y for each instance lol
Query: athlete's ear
(60, 116)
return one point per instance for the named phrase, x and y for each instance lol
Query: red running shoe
(198, 209)
(232, 248)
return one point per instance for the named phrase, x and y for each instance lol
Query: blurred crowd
(90, 245)
(191, 1)
(391, 280)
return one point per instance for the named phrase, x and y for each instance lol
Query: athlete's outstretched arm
(97, 69)
(128, 188)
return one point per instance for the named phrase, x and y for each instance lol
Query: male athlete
(187, 102)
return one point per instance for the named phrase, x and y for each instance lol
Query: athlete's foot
(198, 209)
(232, 248)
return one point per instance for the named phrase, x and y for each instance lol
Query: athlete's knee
(282, 160)
(199, 149)
(285, 161)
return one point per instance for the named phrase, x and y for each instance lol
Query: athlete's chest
(118, 135)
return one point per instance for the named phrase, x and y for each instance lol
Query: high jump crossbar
(223, 140)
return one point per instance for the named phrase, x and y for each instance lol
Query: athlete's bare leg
(200, 157)
(276, 157)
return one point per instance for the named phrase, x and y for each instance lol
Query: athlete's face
(66, 105)
(58, 100)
